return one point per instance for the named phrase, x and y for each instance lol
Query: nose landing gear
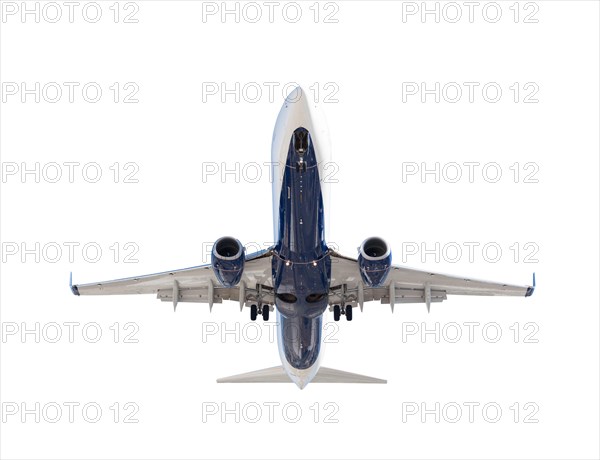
(301, 141)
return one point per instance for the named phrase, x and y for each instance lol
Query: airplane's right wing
(195, 284)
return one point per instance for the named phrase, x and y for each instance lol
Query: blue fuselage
(302, 266)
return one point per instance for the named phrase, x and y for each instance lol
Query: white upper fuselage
(297, 111)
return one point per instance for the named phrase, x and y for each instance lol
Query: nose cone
(297, 110)
(298, 100)
(301, 108)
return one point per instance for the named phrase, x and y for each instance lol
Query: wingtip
(74, 289)
(531, 289)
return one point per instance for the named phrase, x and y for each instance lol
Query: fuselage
(301, 266)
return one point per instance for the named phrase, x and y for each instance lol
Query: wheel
(253, 312)
(348, 312)
(336, 312)
(265, 313)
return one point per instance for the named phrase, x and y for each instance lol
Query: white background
(171, 212)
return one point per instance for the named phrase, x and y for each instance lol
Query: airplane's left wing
(407, 285)
(194, 284)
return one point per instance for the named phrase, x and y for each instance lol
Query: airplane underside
(300, 277)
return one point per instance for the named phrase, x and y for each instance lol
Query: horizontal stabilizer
(277, 375)
(270, 375)
(328, 375)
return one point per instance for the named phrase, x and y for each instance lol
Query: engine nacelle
(374, 261)
(227, 259)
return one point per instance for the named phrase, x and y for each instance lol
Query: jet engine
(374, 261)
(227, 260)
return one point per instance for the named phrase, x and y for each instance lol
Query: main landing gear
(255, 310)
(338, 311)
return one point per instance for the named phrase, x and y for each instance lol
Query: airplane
(300, 277)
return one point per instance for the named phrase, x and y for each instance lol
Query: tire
(265, 312)
(336, 312)
(253, 312)
(348, 312)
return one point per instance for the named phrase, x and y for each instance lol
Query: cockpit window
(314, 298)
(287, 297)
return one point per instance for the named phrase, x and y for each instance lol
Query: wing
(407, 285)
(194, 284)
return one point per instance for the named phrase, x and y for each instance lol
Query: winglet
(74, 289)
(530, 289)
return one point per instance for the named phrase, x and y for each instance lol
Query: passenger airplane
(300, 276)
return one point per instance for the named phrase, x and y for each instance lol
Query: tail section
(328, 375)
(270, 375)
(278, 375)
